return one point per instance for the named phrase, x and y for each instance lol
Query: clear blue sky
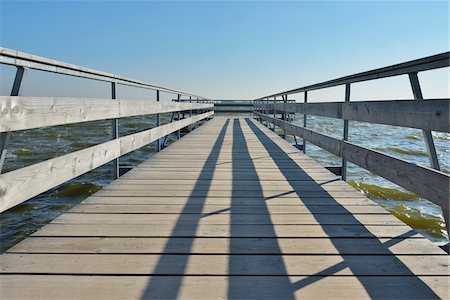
(230, 49)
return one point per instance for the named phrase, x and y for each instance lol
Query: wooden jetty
(230, 210)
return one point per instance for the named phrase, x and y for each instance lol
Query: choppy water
(36, 145)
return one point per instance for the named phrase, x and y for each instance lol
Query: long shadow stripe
(167, 287)
(252, 264)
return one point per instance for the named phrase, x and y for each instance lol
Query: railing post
(158, 123)
(428, 137)
(274, 111)
(15, 91)
(283, 114)
(190, 113)
(304, 120)
(344, 161)
(178, 118)
(115, 134)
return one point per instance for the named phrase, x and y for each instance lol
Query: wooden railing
(22, 113)
(425, 114)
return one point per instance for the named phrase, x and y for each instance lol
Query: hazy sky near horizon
(228, 49)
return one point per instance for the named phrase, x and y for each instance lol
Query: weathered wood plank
(297, 265)
(226, 186)
(255, 208)
(432, 114)
(26, 60)
(347, 246)
(224, 219)
(20, 185)
(268, 195)
(245, 287)
(138, 174)
(418, 65)
(203, 230)
(282, 199)
(19, 113)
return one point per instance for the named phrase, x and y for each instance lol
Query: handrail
(431, 114)
(20, 113)
(21, 59)
(422, 64)
(428, 115)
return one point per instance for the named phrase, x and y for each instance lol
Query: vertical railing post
(260, 109)
(15, 91)
(304, 120)
(345, 138)
(190, 112)
(115, 134)
(274, 111)
(428, 137)
(283, 114)
(196, 112)
(158, 123)
(178, 118)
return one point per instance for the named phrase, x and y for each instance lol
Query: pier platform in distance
(230, 211)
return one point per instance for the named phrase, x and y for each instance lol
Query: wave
(78, 189)
(23, 151)
(402, 151)
(431, 224)
(412, 137)
(382, 193)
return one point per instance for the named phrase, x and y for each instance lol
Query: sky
(228, 49)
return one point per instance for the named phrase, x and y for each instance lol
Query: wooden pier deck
(229, 211)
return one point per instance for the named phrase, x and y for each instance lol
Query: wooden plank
(20, 185)
(324, 109)
(224, 219)
(430, 114)
(216, 184)
(347, 246)
(255, 208)
(227, 185)
(203, 230)
(282, 199)
(428, 183)
(418, 65)
(244, 287)
(138, 174)
(268, 195)
(22, 59)
(248, 265)
(20, 113)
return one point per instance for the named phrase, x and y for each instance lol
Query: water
(31, 146)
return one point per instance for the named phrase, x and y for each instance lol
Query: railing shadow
(360, 265)
(185, 226)
(252, 264)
